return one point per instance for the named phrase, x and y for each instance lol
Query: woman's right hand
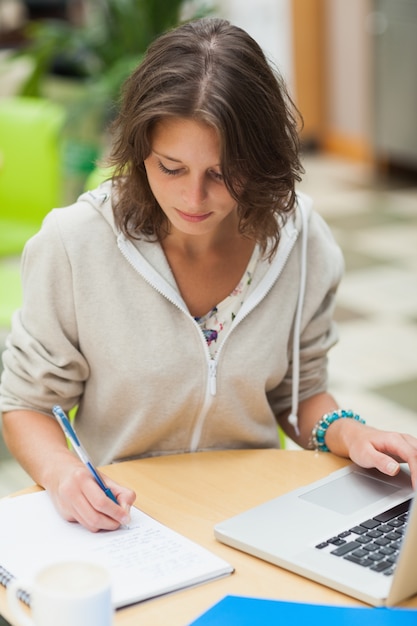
(78, 497)
(38, 443)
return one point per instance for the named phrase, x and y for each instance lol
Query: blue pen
(69, 431)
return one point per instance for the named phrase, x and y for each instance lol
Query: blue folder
(242, 611)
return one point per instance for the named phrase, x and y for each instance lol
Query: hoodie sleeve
(42, 361)
(325, 266)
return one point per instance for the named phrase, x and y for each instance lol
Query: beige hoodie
(104, 327)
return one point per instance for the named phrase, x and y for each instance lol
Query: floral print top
(216, 321)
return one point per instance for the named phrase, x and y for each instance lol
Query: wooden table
(191, 493)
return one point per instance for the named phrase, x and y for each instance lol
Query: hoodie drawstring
(293, 416)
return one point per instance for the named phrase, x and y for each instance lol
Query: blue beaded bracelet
(318, 434)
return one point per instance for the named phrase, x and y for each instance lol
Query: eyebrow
(170, 158)
(166, 156)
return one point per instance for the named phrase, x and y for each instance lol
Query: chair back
(97, 176)
(30, 167)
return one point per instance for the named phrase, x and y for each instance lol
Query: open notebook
(354, 531)
(145, 560)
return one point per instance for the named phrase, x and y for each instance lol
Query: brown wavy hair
(210, 71)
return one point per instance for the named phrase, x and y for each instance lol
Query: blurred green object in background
(30, 167)
(97, 176)
(102, 50)
(10, 290)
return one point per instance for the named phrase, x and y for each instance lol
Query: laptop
(354, 531)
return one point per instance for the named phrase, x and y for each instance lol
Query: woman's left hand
(371, 447)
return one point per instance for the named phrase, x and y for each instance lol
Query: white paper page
(144, 560)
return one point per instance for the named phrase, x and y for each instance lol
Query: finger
(371, 457)
(401, 445)
(83, 501)
(105, 511)
(401, 448)
(386, 451)
(125, 497)
(79, 510)
(91, 513)
(80, 499)
(386, 464)
(391, 467)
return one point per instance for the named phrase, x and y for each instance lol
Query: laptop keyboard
(375, 543)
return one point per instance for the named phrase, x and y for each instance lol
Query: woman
(186, 304)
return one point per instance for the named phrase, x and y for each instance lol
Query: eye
(165, 170)
(217, 176)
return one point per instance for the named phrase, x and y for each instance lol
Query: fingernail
(392, 467)
(126, 517)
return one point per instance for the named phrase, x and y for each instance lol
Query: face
(185, 177)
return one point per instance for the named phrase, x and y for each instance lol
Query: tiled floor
(373, 369)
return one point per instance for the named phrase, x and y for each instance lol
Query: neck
(205, 245)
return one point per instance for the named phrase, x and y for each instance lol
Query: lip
(192, 217)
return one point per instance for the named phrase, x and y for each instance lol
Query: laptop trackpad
(349, 493)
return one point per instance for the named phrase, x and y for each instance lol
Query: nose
(194, 193)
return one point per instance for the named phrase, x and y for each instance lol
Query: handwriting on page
(144, 560)
(148, 546)
(147, 549)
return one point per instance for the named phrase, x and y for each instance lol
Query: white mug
(71, 593)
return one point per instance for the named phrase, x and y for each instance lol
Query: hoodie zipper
(259, 294)
(151, 276)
